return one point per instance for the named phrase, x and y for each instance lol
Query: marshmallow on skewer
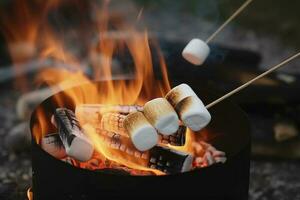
(114, 122)
(189, 107)
(77, 145)
(162, 116)
(193, 113)
(196, 51)
(143, 135)
(178, 93)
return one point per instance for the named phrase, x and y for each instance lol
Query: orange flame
(141, 88)
(20, 22)
(115, 36)
(29, 194)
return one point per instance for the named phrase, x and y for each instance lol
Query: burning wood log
(159, 158)
(114, 122)
(100, 162)
(169, 160)
(112, 118)
(162, 116)
(70, 161)
(53, 145)
(120, 142)
(92, 113)
(77, 145)
(177, 139)
(189, 107)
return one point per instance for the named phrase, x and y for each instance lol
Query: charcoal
(160, 158)
(177, 139)
(169, 161)
(70, 161)
(77, 145)
(52, 144)
(121, 143)
(113, 122)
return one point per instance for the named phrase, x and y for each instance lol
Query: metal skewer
(253, 80)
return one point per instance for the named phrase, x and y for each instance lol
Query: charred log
(77, 145)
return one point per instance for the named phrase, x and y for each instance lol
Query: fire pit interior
(228, 131)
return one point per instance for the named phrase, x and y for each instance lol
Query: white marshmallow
(81, 148)
(189, 107)
(76, 143)
(196, 51)
(193, 113)
(143, 135)
(162, 116)
(178, 93)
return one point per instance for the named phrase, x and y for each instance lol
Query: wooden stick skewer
(238, 11)
(253, 80)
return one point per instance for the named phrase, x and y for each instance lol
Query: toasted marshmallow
(196, 51)
(193, 113)
(162, 116)
(143, 135)
(178, 93)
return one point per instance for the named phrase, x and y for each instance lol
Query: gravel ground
(15, 168)
(274, 180)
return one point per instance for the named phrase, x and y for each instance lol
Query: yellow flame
(143, 87)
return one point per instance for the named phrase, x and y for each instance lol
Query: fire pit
(228, 131)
